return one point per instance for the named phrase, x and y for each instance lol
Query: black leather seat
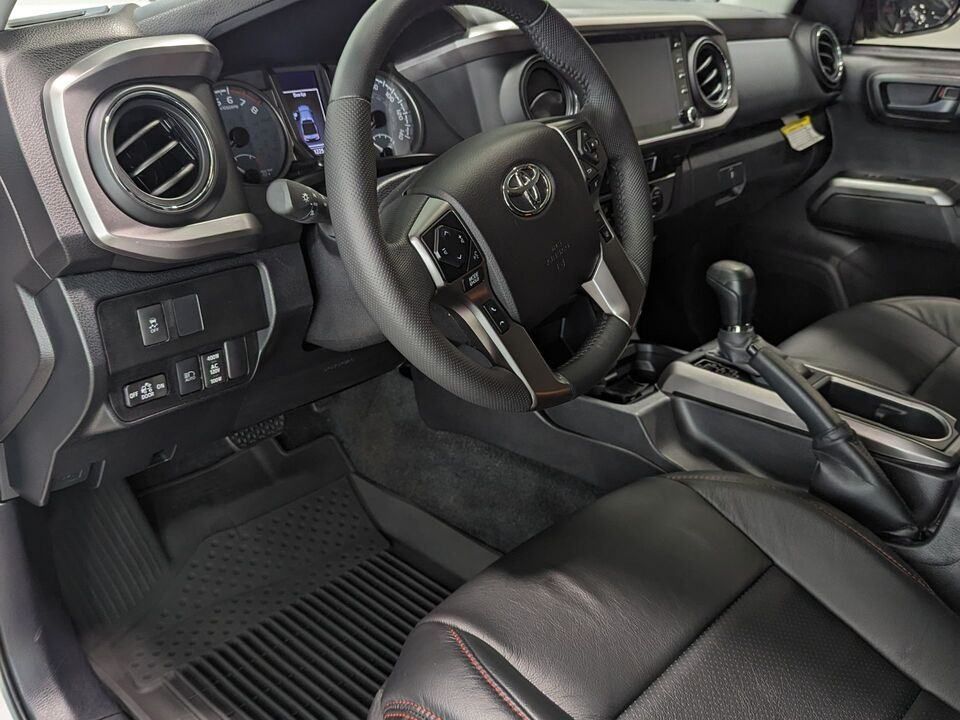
(688, 596)
(908, 344)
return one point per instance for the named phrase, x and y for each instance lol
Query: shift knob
(736, 289)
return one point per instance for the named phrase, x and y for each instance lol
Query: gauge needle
(378, 147)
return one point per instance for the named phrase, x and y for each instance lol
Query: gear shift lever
(846, 474)
(736, 289)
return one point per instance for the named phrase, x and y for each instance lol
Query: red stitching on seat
(398, 715)
(823, 511)
(399, 704)
(486, 676)
(883, 553)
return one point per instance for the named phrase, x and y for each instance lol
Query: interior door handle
(936, 108)
(916, 98)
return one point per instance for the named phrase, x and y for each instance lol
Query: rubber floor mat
(325, 656)
(298, 613)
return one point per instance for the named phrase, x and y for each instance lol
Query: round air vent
(712, 75)
(544, 93)
(157, 151)
(828, 56)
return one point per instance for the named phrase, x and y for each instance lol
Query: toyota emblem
(528, 190)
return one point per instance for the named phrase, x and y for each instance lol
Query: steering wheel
(500, 231)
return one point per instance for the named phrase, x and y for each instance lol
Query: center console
(886, 460)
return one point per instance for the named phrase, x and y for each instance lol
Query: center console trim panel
(698, 384)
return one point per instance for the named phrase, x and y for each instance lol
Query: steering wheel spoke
(457, 265)
(615, 286)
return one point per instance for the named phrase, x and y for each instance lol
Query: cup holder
(886, 410)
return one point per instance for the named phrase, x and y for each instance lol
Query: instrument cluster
(266, 128)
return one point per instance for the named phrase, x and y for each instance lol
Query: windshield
(774, 6)
(33, 8)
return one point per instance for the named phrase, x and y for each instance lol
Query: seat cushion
(688, 596)
(907, 344)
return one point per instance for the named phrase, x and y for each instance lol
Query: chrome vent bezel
(183, 127)
(709, 64)
(539, 64)
(828, 56)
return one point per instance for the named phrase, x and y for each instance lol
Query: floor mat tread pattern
(324, 656)
(300, 612)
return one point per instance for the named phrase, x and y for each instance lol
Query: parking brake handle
(846, 475)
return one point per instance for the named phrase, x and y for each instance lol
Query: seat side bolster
(445, 673)
(847, 569)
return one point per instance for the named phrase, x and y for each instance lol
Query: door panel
(880, 219)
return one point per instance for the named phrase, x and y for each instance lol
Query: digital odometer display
(305, 105)
(395, 124)
(254, 129)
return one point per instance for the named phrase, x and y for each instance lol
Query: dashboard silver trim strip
(504, 36)
(884, 189)
(197, 57)
(459, 51)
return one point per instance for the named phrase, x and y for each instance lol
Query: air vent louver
(545, 94)
(158, 151)
(828, 56)
(712, 76)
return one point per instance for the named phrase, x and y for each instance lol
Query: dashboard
(151, 299)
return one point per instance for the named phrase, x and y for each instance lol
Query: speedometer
(257, 139)
(396, 120)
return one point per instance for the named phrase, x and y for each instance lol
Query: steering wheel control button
(153, 325)
(189, 378)
(452, 248)
(588, 147)
(235, 353)
(213, 366)
(476, 257)
(189, 319)
(472, 280)
(144, 391)
(657, 200)
(496, 315)
(603, 228)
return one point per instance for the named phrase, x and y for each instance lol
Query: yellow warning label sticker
(800, 132)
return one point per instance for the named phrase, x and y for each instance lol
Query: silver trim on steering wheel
(513, 349)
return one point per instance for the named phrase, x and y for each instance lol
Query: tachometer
(396, 120)
(257, 138)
